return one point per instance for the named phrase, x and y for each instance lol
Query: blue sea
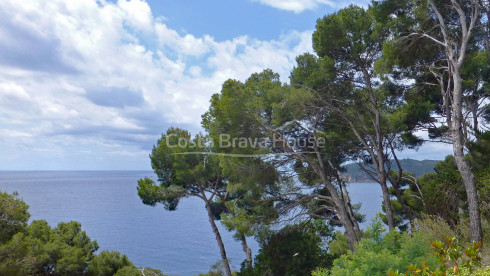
(177, 242)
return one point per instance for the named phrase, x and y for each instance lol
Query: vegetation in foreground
(38, 249)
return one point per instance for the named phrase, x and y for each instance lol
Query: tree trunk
(342, 213)
(486, 31)
(351, 213)
(340, 206)
(246, 249)
(459, 158)
(395, 182)
(382, 182)
(222, 250)
(456, 56)
(377, 140)
(387, 200)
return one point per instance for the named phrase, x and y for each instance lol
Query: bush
(436, 228)
(450, 258)
(294, 250)
(467, 272)
(134, 271)
(380, 252)
(339, 245)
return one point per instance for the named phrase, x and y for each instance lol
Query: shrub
(450, 259)
(436, 228)
(467, 272)
(380, 252)
(293, 250)
(134, 271)
(339, 245)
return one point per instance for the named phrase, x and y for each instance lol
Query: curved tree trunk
(351, 213)
(340, 204)
(377, 146)
(246, 249)
(222, 250)
(342, 213)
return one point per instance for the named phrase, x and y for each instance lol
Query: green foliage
(443, 191)
(188, 166)
(264, 108)
(468, 272)
(442, 194)
(436, 228)
(107, 263)
(133, 271)
(367, 99)
(450, 258)
(480, 158)
(346, 34)
(217, 269)
(13, 215)
(294, 250)
(320, 272)
(339, 245)
(181, 172)
(379, 252)
(64, 250)
(436, 61)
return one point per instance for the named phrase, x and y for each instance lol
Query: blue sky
(89, 85)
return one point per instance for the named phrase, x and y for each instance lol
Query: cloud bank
(92, 84)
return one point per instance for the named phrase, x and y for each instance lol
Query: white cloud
(184, 45)
(298, 6)
(75, 77)
(137, 13)
(13, 90)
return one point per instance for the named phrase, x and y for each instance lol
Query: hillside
(419, 168)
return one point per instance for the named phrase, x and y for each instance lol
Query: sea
(106, 203)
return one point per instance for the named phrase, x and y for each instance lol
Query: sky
(92, 84)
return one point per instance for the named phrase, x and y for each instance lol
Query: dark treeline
(354, 173)
(380, 80)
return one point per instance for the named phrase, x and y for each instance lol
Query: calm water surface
(106, 203)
